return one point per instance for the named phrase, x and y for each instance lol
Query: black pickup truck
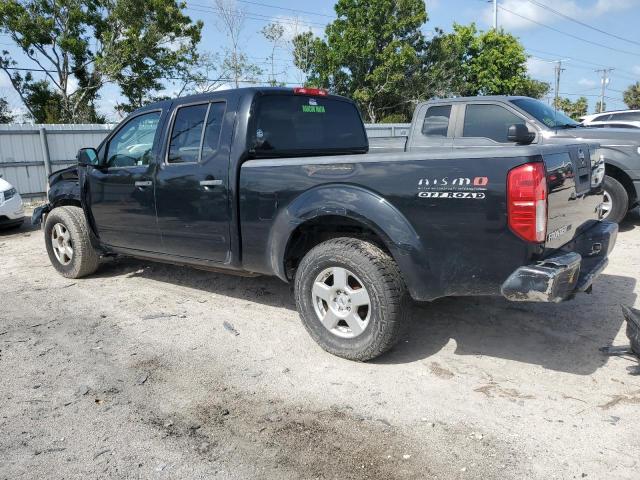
(278, 181)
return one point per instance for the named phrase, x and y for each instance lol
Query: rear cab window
(284, 125)
(436, 121)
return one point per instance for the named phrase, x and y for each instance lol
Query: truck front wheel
(68, 244)
(351, 298)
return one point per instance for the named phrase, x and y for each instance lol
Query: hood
(4, 185)
(618, 137)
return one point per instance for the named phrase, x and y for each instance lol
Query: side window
(601, 118)
(436, 121)
(489, 121)
(131, 145)
(627, 116)
(186, 134)
(213, 129)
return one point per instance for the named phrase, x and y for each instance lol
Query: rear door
(432, 127)
(192, 182)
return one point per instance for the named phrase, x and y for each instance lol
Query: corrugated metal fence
(29, 153)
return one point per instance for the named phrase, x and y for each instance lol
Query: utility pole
(559, 70)
(604, 81)
(495, 15)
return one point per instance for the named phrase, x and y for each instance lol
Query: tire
(618, 199)
(358, 264)
(71, 228)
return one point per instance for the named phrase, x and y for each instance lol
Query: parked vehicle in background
(11, 207)
(483, 122)
(278, 181)
(612, 124)
(613, 116)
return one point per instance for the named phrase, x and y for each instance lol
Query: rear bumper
(566, 273)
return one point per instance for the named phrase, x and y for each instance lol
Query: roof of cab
(224, 93)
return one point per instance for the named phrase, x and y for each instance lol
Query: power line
(568, 34)
(251, 16)
(288, 9)
(567, 17)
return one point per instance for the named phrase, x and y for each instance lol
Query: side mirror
(519, 133)
(87, 157)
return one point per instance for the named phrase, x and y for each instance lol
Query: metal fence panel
(24, 150)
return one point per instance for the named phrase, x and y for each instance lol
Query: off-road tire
(85, 259)
(387, 292)
(619, 199)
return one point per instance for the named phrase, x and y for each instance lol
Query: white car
(11, 208)
(614, 116)
(613, 124)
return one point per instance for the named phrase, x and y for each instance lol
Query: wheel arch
(619, 174)
(330, 211)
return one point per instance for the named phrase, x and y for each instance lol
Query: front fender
(366, 208)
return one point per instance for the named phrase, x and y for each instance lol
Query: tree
(231, 20)
(273, 33)
(469, 62)
(371, 53)
(601, 107)
(631, 96)
(5, 113)
(575, 109)
(80, 45)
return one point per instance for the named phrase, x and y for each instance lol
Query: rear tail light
(527, 202)
(319, 92)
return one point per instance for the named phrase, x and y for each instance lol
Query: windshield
(544, 113)
(289, 125)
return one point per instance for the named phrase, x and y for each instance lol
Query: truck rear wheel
(68, 244)
(616, 200)
(351, 298)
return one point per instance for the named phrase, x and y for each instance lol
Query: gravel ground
(156, 371)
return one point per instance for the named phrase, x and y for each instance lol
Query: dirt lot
(133, 373)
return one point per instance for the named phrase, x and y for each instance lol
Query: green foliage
(575, 109)
(93, 42)
(469, 62)
(631, 96)
(395, 118)
(372, 53)
(5, 114)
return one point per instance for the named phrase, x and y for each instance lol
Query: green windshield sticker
(313, 108)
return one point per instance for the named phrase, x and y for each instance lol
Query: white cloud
(587, 82)
(572, 8)
(539, 68)
(296, 25)
(636, 69)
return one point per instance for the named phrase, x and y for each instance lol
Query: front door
(120, 191)
(192, 183)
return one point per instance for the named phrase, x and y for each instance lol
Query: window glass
(601, 118)
(212, 130)
(544, 113)
(290, 125)
(628, 116)
(489, 121)
(131, 145)
(186, 134)
(436, 121)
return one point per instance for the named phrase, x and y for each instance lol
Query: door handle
(144, 183)
(210, 183)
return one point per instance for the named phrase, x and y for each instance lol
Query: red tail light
(310, 91)
(527, 202)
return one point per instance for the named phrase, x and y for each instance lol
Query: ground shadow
(20, 229)
(564, 337)
(631, 221)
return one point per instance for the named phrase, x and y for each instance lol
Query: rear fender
(366, 208)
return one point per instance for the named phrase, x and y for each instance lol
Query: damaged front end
(64, 188)
(570, 271)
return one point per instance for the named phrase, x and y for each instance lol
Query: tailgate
(574, 180)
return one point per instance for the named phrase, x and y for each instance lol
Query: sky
(585, 35)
